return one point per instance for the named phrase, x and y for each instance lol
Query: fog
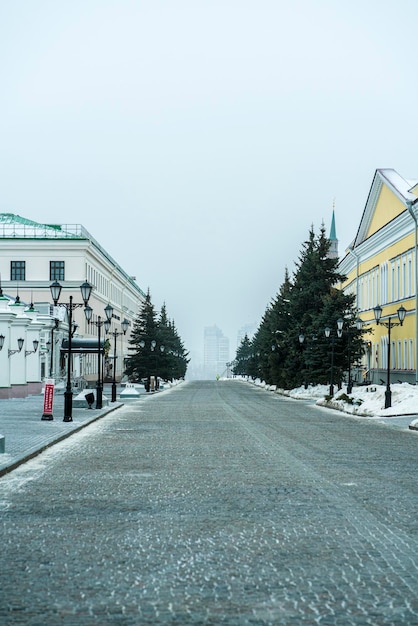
(198, 141)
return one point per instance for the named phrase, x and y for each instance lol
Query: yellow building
(381, 269)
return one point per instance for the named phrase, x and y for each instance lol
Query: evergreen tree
(174, 359)
(180, 356)
(293, 325)
(243, 356)
(156, 347)
(279, 325)
(262, 348)
(315, 304)
(143, 360)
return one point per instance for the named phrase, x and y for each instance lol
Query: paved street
(214, 503)
(26, 434)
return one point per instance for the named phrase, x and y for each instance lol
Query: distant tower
(216, 352)
(333, 248)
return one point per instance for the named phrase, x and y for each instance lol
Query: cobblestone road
(214, 503)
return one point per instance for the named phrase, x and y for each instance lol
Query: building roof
(333, 230)
(16, 227)
(399, 186)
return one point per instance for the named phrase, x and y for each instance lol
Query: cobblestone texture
(214, 503)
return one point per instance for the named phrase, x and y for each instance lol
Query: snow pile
(366, 400)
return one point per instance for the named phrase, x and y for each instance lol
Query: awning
(82, 346)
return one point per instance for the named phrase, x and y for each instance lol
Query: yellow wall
(372, 273)
(414, 190)
(391, 252)
(388, 207)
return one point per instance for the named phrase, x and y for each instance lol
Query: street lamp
(116, 334)
(20, 343)
(88, 312)
(389, 325)
(327, 332)
(85, 289)
(35, 348)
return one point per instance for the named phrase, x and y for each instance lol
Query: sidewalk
(26, 434)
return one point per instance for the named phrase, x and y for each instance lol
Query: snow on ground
(364, 401)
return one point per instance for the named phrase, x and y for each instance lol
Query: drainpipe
(357, 257)
(409, 205)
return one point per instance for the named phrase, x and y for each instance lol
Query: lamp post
(327, 332)
(88, 312)
(85, 289)
(153, 345)
(116, 334)
(301, 343)
(51, 362)
(389, 325)
(358, 326)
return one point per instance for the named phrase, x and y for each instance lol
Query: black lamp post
(327, 331)
(153, 345)
(389, 325)
(301, 343)
(51, 343)
(85, 289)
(358, 326)
(116, 334)
(88, 312)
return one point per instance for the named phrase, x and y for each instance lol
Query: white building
(32, 256)
(216, 352)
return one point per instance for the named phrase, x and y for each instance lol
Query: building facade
(35, 255)
(216, 352)
(381, 269)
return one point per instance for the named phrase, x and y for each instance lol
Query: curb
(31, 455)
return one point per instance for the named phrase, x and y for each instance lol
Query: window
(393, 282)
(56, 270)
(18, 270)
(410, 292)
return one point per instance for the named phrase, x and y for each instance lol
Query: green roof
(333, 230)
(16, 227)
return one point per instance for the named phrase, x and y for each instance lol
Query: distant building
(216, 352)
(247, 329)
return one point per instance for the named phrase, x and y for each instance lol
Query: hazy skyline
(198, 141)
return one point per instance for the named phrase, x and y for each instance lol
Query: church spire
(333, 249)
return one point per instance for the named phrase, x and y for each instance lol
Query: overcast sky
(198, 140)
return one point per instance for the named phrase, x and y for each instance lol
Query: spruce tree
(315, 304)
(174, 359)
(242, 358)
(280, 323)
(142, 362)
(294, 323)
